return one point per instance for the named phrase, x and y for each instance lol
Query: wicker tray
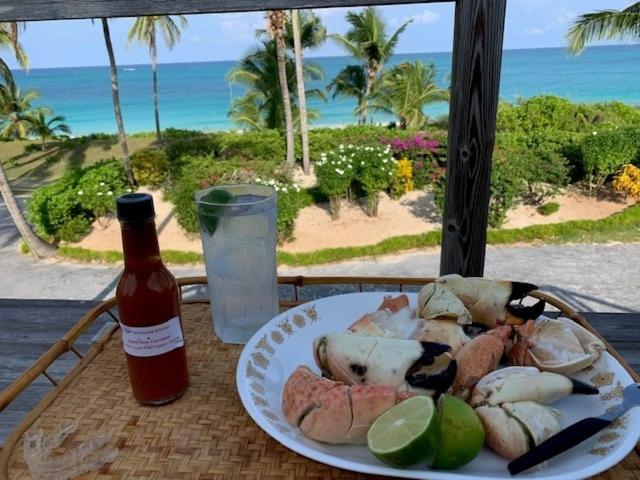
(205, 434)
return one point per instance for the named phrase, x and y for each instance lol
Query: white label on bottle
(152, 341)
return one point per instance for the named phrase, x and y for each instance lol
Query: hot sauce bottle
(148, 299)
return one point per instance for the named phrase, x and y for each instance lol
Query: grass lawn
(27, 171)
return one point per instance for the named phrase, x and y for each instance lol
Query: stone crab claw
(395, 319)
(512, 429)
(407, 365)
(333, 412)
(560, 346)
(479, 357)
(515, 384)
(488, 301)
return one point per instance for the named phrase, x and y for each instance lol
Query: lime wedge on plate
(461, 434)
(406, 433)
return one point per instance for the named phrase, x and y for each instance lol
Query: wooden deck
(29, 327)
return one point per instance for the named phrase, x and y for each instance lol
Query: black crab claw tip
(439, 381)
(527, 312)
(520, 290)
(431, 350)
(583, 388)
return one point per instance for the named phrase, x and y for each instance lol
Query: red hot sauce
(148, 300)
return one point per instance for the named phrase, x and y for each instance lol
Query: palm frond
(604, 25)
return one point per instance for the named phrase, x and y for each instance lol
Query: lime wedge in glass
(406, 433)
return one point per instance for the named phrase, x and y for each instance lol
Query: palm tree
(404, 90)
(9, 33)
(314, 35)
(39, 248)
(605, 25)
(144, 30)
(351, 81)
(367, 40)
(261, 105)
(44, 127)
(115, 93)
(277, 20)
(15, 108)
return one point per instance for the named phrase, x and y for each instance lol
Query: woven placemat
(206, 434)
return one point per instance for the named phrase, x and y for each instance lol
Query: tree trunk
(302, 99)
(286, 99)
(116, 103)
(371, 76)
(156, 108)
(39, 248)
(44, 144)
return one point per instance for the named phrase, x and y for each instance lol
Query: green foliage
(150, 166)
(290, 201)
(335, 171)
(605, 152)
(190, 146)
(31, 147)
(548, 208)
(264, 145)
(180, 133)
(375, 172)
(64, 210)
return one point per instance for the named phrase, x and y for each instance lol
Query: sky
(68, 43)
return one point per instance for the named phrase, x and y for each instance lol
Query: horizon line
(308, 56)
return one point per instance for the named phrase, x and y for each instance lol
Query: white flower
(384, 160)
(80, 192)
(129, 190)
(258, 180)
(284, 189)
(99, 194)
(594, 133)
(339, 172)
(109, 193)
(362, 163)
(102, 184)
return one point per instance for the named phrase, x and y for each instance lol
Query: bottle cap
(135, 207)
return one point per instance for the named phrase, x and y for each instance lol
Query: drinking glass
(238, 229)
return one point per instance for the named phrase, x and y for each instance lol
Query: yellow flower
(404, 175)
(627, 181)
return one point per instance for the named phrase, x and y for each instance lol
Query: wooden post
(475, 81)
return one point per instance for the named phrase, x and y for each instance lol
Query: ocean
(198, 96)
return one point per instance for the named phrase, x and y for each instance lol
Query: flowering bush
(403, 181)
(423, 172)
(289, 204)
(375, 172)
(627, 181)
(64, 210)
(415, 147)
(335, 172)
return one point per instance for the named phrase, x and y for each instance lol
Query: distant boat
(128, 69)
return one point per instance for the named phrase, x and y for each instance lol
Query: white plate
(285, 342)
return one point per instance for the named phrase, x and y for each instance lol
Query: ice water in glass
(238, 228)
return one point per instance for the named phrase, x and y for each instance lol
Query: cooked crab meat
(560, 346)
(333, 412)
(515, 384)
(435, 301)
(488, 301)
(477, 358)
(404, 364)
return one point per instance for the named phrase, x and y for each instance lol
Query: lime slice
(406, 433)
(461, 434)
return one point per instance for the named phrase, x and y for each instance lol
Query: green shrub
(335, 171)
(72, 142)
(203, 145)
(375, 172)
(150, 166)
(548, 208)
(180, 133)
(32, 147)
(603, 153)
(75, 229)
(505, 188)
(290, 201)
(65, 209)
(263, 145)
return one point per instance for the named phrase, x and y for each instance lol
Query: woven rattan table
(206, 434)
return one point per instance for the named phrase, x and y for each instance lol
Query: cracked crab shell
(512, 428)
(559, 346)
(364, 360)
(516, 384)
(435, 301)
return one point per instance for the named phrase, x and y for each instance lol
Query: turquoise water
(197, 95)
